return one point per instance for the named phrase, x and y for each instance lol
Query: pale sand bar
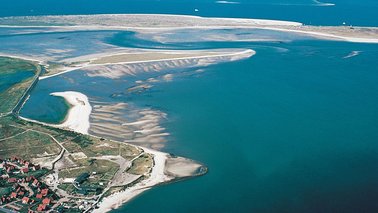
(78, 115)
(164, 22)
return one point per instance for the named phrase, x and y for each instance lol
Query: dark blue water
(294, 131)
(353, 12)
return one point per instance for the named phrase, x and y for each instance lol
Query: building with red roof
(13, 195)
(12, 180)
(25, 170)
(25, 200)
(46, 201)
(41, 207)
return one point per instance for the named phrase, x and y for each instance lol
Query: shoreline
(78, 115)
(157, 176)
(247, 53)
(77, 118)
(318, 35)
(135, 22)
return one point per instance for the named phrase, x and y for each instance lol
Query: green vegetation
(102, 168)
(28, 145)
(95, 147)
(8, 131)
(12, 93)
(141, 165)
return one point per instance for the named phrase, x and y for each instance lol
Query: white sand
(233, 55)
(157, 176)
(78, 116)
(326, 35)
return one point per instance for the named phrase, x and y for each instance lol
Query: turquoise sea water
(292, 129)
(353, 12)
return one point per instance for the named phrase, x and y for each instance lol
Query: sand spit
(350, 34)
(166, 168)
(118, 70)
(118, 65)
(157, 176)
(77, 118)
(138, 22)
(180, 167)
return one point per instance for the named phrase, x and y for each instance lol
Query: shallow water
(292, 129)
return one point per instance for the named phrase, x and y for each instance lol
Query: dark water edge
(361, 13)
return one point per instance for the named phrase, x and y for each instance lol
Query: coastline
(140, 22)
(78, 115)
(157, 176)
(77, 118)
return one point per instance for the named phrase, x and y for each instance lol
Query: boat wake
(323, 4)
(227, 2)
(352, 54)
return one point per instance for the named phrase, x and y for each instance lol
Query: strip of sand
(117, 59)
(162, 21)
(77, 118)
(78, 115)
(157, 176)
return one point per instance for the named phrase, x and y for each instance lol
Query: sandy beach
(157, 176)
(138, 22)
(78, 115)
(77, 118)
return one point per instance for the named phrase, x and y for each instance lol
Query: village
(21, 189)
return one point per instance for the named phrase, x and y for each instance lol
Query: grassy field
(8, 131)
(11, 88)
(141, 165)
(29, 145)
(95, 147)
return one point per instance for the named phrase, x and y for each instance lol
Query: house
(39, 196)
(12, 180)
(13, 195)
(46, 201)
(25, 170)
(41, 207)
(25, 200)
